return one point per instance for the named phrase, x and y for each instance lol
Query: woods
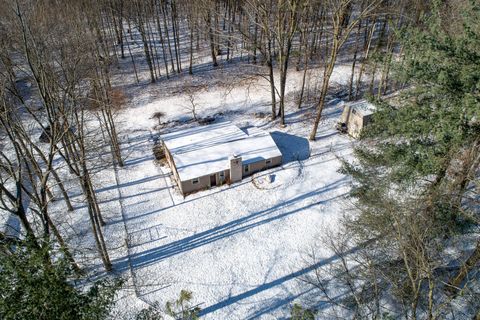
(67, 69)
(415, 182)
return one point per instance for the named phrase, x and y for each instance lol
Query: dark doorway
(213, 180)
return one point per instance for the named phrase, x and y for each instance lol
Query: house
(355, 117)
(216, 154)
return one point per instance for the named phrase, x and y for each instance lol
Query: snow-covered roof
(208, 150)
(364, 107)
(202, 137)
(253, 131)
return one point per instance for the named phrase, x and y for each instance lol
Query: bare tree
(192, 104)
(342, 23)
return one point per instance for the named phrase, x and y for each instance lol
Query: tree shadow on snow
(277, 302)
(253, 220)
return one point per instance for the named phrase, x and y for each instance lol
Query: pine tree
(33, 287)
(413, 171)
(420, 139)
(439, 113)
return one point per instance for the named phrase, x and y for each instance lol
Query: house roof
(201, 137)
(206, 150)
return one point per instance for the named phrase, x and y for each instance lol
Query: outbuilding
(217, 154)
(355, 117)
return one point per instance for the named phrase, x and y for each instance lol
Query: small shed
(355, 117)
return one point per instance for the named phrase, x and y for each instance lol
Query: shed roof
(208, 150)
(364, 107)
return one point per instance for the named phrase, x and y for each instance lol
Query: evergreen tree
(412, 175)
(439, 114)
(34, 287)
(429, 138)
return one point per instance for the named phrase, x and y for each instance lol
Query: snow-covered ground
(241, 248)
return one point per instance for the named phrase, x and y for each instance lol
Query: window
(354, 111)
(195, 181)
(245, 168)
(222, 174)
(268, 161)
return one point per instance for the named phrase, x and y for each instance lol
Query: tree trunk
(63, 190)
(365, 58)
(213, 50)
(63, 246)
(146, 51)
(133, 60)
(167, 36)
(176, 37)
(352, 76)
(159, 30)
(272, 82)
(325, 83)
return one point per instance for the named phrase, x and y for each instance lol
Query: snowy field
(240, 249)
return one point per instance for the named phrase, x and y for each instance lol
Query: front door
(213, 180)
(221, 177)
